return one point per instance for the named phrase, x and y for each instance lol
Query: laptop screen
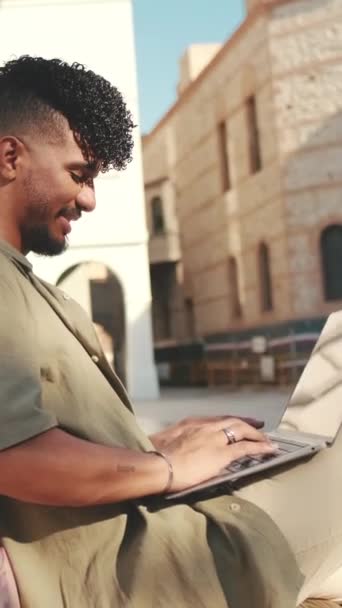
(315, 405)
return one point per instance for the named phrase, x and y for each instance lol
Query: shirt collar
(15, 255)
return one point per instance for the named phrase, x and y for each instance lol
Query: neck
(9, 228)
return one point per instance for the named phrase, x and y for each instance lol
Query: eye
(83, 179)
(78, 179)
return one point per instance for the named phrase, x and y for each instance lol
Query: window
(223, 155)
(158, 223)
(162, 283)
(190, 317)
(234, 290)
(265, 278)
(253, 136)
(331, 255)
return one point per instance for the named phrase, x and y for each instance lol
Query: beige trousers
(305, 501)
(8, 590)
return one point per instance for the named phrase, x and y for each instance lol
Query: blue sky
(163, 30)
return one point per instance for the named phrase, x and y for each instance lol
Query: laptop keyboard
(284, 447)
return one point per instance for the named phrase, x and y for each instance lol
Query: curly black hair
(32, 89)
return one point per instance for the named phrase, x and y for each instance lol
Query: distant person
(74, 464)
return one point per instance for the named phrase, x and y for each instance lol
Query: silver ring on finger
(230, 435)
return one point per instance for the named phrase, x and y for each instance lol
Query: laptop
(309, 421)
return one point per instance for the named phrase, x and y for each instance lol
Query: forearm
(58, 469)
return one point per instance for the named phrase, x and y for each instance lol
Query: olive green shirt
(215, 553)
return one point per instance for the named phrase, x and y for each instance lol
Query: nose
(86, 199)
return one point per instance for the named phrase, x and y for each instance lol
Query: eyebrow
(91, 167)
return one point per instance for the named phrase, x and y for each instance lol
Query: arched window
(234, 288)
(265, 278)
(158, 223)
(331, 254)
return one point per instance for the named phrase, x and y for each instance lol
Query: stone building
(243, 189)
(106, 266)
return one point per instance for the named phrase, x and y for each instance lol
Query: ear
(10, 151)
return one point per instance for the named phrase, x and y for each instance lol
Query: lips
(64, 224)
(65, 217)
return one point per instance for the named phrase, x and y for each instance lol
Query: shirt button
(66, 296)
(234, 507)
(95, 358)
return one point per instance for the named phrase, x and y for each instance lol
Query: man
(74, 464)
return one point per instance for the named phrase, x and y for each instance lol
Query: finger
(258, 424)
(250, 448)
(199, 420)
(202, 420)
(241, 430)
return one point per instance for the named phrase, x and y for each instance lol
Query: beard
(35, 232)
(37, 238)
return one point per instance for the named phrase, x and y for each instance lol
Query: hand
(170, 433)
(199, 451)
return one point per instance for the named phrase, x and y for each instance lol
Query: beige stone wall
(251, 4)
(194, 60)
(158, 154)
(289, 56)
(163, 247)
(306, 54)
(213, 224)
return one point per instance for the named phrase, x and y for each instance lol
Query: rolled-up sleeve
(21, 413)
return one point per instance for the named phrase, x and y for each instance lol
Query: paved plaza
(175, 404)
